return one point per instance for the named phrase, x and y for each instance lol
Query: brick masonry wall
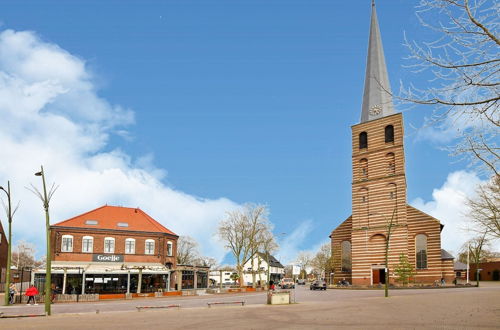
(379, 194)
(340, 234)
(159, 255)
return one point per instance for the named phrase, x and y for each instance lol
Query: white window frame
(146, 246)
(113, 245)
(170, 249)
(84, 238)
(70, 248)
(132, 250)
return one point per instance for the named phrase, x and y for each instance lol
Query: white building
(260, 266)
(215, 277)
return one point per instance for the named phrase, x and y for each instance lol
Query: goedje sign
(107, 257)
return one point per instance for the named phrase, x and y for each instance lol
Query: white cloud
(448, 204)
(51, 114)
(292, 243)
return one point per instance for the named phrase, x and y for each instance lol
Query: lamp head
(38, 173)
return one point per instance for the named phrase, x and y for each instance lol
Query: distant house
(215, 277)
(460, 270)
(488, 271)
(259, 265)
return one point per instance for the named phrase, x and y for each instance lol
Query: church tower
(379, 194)
(379, 183)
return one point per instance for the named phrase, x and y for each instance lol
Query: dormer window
(122, 224)
(363, 140)
(91, 222)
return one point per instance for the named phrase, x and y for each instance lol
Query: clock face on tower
(375, 110)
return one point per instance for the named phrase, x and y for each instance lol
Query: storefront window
(187, 279)
(154, 282)
(202, 280)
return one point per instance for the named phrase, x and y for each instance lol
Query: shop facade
(112, 250)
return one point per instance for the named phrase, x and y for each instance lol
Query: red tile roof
(108, 217)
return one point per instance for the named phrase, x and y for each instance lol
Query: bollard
(97, 311)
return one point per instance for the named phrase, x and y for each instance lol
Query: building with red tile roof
(116, 218)
(114, 250)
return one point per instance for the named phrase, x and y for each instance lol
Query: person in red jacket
(31, 293)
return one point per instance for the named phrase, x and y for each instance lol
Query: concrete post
(195, 284)
(168, 281)
(220, 276)
(128, 282)
(139, 282)
(64, 281)
(83, 282)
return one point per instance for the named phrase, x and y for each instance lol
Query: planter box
(143, 295)
(112, 296)
(278, 298)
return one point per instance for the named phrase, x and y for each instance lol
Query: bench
(226, 303)
(155, 307)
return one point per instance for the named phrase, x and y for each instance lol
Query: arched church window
(421, 251)
(391, 163)
(392, 191)
(363, 169)
(389, 133)
(363, 140)
(364, 195)
(346, 256)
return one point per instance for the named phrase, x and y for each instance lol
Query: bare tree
(23, 255)
(485, 208)
(461, 66)
(304, 259)
(477, 251)
(187, 250)
(206, 262)
(323, 261)
(242, 231)
(267, 246)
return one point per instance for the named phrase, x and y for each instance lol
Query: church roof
(446, 255)
(377, 100)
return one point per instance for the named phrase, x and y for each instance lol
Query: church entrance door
(378, 276)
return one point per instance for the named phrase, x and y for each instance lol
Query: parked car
(301, 281)
(318, 285)
(287, 283)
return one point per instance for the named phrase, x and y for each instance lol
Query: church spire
(377, 101)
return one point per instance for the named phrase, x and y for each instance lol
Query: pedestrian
(12, 293)
(53, 292)
(31, 293)
(443, 283)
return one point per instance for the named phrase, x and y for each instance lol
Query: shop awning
(106, 268)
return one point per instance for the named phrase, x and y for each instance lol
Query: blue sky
(232, 102)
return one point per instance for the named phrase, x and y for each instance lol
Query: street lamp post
(9, 251)
(48, 277)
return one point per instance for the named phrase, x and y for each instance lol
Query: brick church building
(379, 194)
